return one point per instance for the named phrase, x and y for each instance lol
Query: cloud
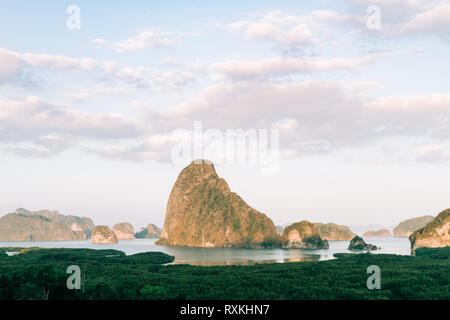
(57, 62)
(286, 66)
(275, 27)
(89, 93)
(32, 119)
(14, 67)
(312, 116)
(11, 67)
(146, 39)
(155, 147)
(411, 18)
(433, 154)
(434, 21)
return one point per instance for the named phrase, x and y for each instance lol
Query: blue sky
(86, 115)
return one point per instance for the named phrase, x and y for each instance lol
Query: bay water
(227, 256)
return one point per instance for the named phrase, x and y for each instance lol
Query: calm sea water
(226, 256)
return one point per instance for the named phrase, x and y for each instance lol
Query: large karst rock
(303, 235)
(435, 234)
(407, 227)
(358, 243)
(44, 225)
(377, 233)
(151, 232)
(332, 231)
(124, 231)
(103, 235)
(203, 212)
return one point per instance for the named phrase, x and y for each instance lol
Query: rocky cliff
(203, 212)
(407, 227)
(331, 231)
(303, 235)
(124, 231)
(103, 235)
(434, 235)
(151, 232)
(358, 243)
(44, 225)
(377, 233)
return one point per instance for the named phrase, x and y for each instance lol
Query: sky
(358, 90)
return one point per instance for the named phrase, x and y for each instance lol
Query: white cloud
(434, 21)
(312, 116)
(13, 67)
(146, 39)
(150, 38)
(411, 17)
(277, 28)
(285, 66)
(30, 119)
(433, 154)
(89, 93)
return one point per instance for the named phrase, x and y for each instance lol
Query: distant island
(151, 232)
(103, 235)
(358, 243)
(377, 233)
(44, 225)
(407, 227)
(48, 225)
(332, 231)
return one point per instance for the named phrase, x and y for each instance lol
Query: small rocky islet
(358, 243)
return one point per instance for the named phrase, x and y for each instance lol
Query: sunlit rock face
(407, 227)
(124, 231)
(332, 231)
(203, 212)
(358, 243)
(43, 225)
(303, 234)
(435, 234)
(103, 235)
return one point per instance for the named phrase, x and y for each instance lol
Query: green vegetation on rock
(151, 232)
(358, 243)
(123, 231)
(44, 225)
(407, 227)
(435, 234)
(103, 235)
(303, 234)
(202, 211)
(332, 231)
